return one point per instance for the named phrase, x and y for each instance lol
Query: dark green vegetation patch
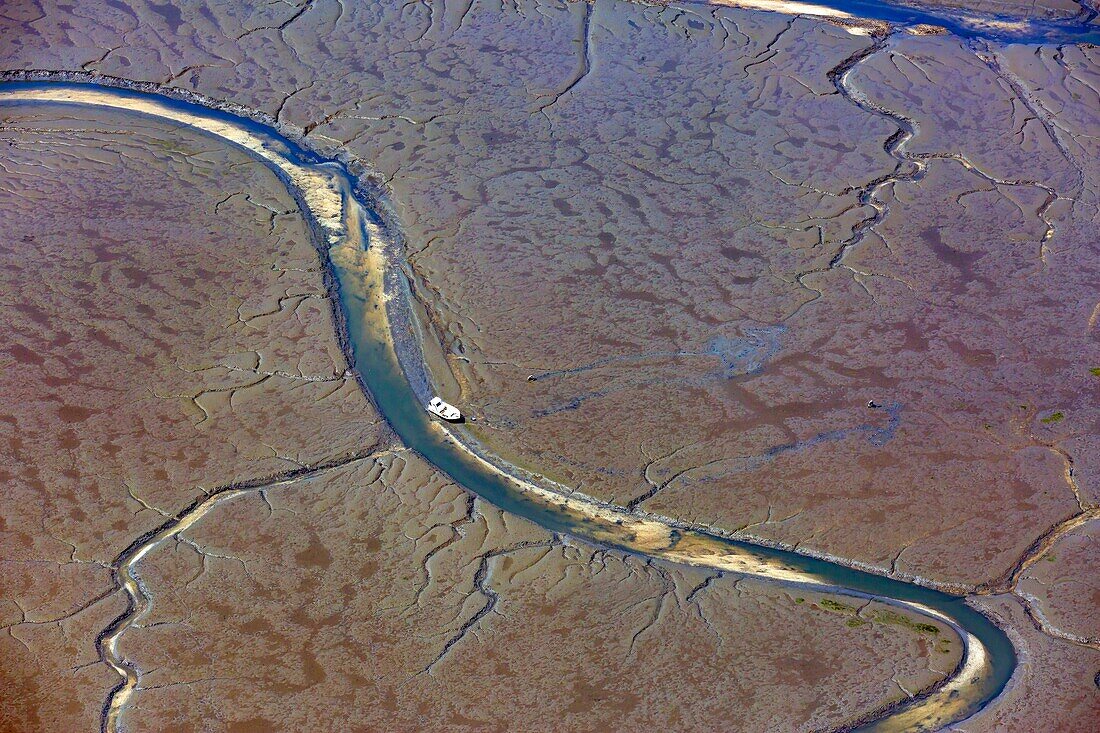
(830, 605)
(893, 617)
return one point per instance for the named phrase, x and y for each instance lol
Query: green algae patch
(830, 605)
(1052, 418)
(1095, 371)
(854, 622)
(897, 619)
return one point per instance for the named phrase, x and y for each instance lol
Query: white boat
(442, 409)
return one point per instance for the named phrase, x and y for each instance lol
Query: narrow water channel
(365, 262)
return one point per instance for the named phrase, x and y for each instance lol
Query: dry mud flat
(167, 334)
(649, 206)
(381, 596)
(1054, 687)
(1063, 588)
(179, 342)
(673, 262)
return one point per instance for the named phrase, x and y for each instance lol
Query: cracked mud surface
(680, 276)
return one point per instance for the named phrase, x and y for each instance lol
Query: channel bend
(366, 257)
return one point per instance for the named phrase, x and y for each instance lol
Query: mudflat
(181, 353)
(746, 271)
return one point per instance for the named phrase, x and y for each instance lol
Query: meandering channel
(373, 301)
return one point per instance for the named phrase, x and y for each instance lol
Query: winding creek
(364, 256)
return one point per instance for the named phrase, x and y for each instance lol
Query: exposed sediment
(341, 225)
(1049, 210)
(206, 361)
(128, 578)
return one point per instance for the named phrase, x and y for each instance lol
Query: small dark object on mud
(873, 405)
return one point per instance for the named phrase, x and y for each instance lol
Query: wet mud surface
(794, 288)
(382, 596)
(171, 336)
(361, 578)
(1055, 684)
